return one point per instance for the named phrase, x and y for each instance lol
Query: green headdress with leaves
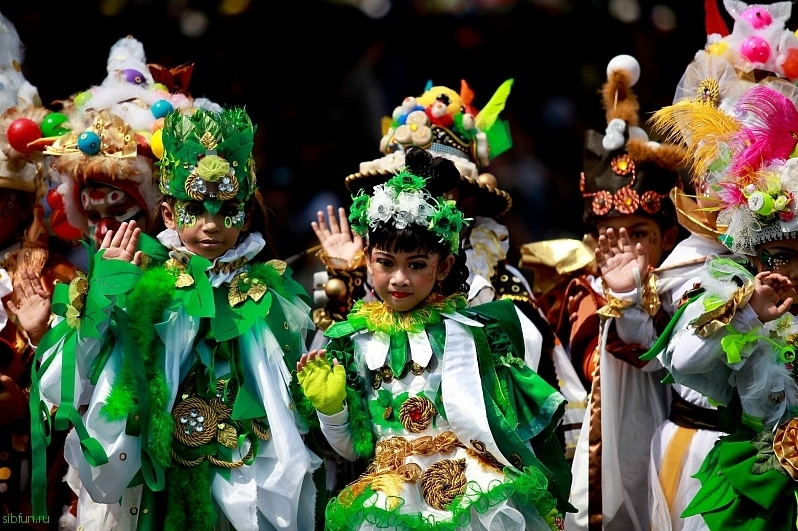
(208, 157)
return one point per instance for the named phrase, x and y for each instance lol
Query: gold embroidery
(709, 322)
(416, 413)
(443, 482)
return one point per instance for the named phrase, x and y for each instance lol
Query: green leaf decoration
(231, 322)
(199, 298)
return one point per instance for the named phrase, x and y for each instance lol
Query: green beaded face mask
(187, 212)
(183, 218)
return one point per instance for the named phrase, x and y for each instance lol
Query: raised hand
(122, 243)
(335, 236)
(768, 289)
(33, 307)
(618, 258)
(323, 384)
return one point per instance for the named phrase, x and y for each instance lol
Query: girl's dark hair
(416, 238)
(259, 222)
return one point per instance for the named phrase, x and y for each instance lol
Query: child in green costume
(180, 353)
(456, 428)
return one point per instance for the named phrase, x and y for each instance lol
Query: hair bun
(441, 173)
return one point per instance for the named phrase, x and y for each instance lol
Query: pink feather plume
(770, 132)
(730, 194)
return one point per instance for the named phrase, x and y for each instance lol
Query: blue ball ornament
(161, 108)
(89, 143)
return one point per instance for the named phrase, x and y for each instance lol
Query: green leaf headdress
(208, 157)
(404, 200)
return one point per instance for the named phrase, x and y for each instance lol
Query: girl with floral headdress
(732, 339)
(456, 428)
(181, 364)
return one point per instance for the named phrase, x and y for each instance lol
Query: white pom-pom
(625, 62)
(613, 135)
(638, 132)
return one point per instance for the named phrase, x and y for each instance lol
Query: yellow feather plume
(700, 127)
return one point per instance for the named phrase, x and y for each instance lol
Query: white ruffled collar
(246, 249)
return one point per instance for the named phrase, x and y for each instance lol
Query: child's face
(779, 256)
(209, 236)
(107, 207)
(644, 231)
(403, 280)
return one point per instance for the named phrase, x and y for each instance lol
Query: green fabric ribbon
(665, 337)
(733, 344)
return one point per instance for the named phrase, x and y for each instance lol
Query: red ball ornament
(22, 132)
(54, 199)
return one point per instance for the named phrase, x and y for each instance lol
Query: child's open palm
(33, 306)
(122, 243)
(768, 288)
(323, 384)
(335, 237)
(618, 258)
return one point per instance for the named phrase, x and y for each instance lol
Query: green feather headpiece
(208, 157)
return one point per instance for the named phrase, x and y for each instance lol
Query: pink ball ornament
(758, 17)
(22, 132)
(755, 49)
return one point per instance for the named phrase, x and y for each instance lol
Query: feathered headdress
(624, 172)
(758, 182)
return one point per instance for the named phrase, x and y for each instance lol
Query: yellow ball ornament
(156, 144)
(718, 48)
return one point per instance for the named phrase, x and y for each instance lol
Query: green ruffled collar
(379, 317)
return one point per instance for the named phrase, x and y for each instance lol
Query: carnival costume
(456, 428)
(625, 174)
(447, 124)
(716, 344)
(183, 363)
(702, 112)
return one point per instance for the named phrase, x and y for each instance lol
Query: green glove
(324, 385)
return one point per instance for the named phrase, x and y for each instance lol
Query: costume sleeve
(713, 335)
(349, 432)
(336, 430)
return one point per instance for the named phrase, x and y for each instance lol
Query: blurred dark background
(318, 76)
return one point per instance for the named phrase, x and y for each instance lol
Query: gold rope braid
(213, 460)
(187, 462)
(232, 464)
(443, 482)
(388, 471)
(264, 434)
(416, 413)
(195, 422)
